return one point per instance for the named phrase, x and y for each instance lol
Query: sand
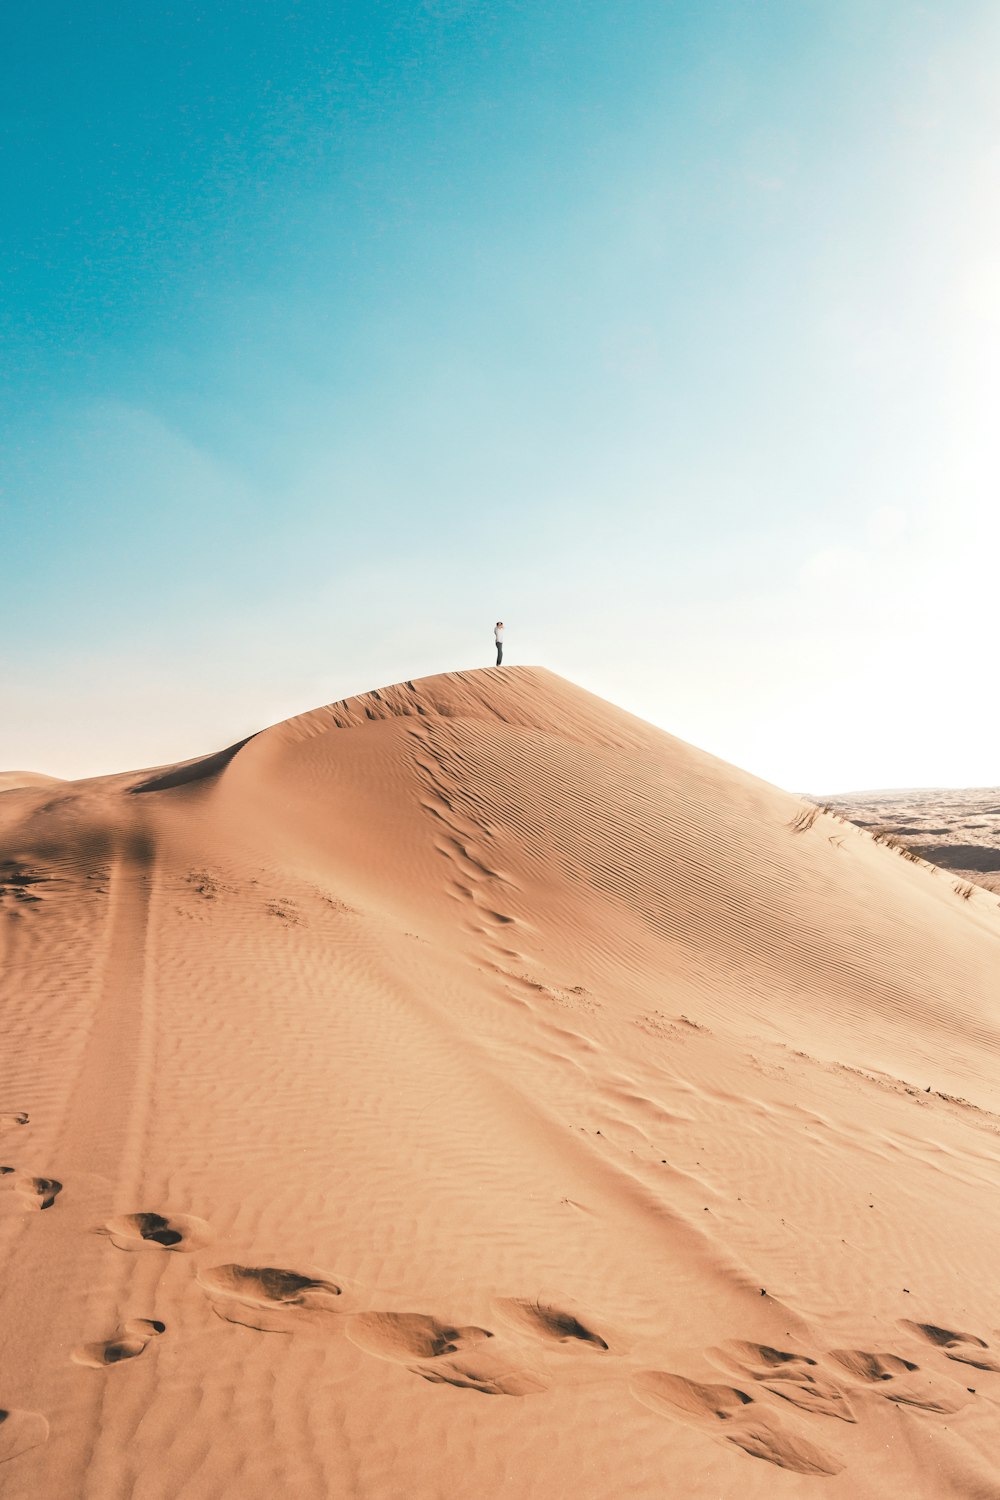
(469, 1090)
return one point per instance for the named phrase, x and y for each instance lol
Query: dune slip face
(468, 1088)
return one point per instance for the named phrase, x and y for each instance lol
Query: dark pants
(499, 652)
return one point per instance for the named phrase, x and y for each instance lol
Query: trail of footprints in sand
(469, 1357)
(528, 1355)
(23, 1430)
(764, 1414)
(29, 1192)
(835, 1385)
(473, 882)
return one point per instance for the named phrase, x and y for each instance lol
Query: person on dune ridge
(498, 637)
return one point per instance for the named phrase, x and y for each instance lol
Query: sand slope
(467, 1089)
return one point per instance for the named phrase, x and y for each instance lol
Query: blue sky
(667, 332)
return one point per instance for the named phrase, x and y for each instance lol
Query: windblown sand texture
(470, 1090)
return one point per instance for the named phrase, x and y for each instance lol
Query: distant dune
(11, 781)
(956, 829)
(466, 1089)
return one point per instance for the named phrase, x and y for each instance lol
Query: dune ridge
(472, 1038)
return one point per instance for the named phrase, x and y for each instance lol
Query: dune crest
(14, 781)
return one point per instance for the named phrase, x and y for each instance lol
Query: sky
(667, 331)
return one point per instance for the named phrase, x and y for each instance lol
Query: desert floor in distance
(958, 830)
(469, 1090)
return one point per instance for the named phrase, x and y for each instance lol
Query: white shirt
(498, 634)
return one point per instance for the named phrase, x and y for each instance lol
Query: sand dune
(11, 781)
(472, 1038)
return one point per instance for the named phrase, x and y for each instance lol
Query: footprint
(724, 1411)
(871, 1367)
(898, 1380)
(40, 1192)
(441, 1352)
(12, 1118)
(764, 1438)
(407, 1336)
(546, 1322)
(150, 1231)
(129, 1342)
(268, 1298)
(927, 1397)
(265, 1285)
(45, 1189)
(19, 1431)
(966, 1348)
(821, 1397)
(787, 1374)
(759, 1361)
(688, 1400)
(488, 1371)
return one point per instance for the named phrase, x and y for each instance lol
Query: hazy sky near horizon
(667, 332)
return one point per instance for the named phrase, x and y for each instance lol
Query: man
(498, 637)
